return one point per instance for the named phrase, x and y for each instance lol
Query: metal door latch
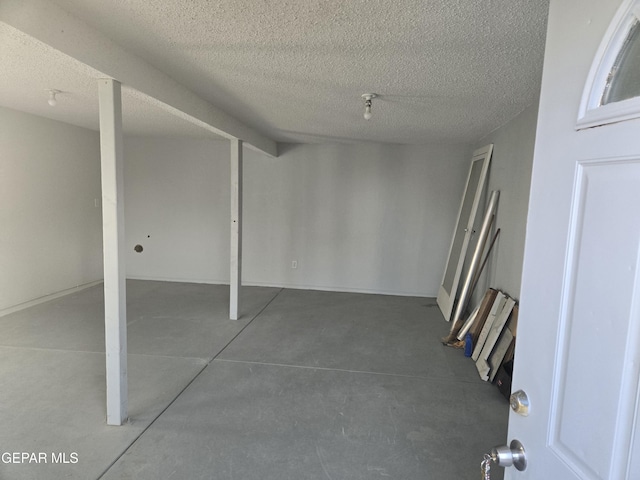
(519, 402)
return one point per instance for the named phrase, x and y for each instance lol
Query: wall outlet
(294, 263)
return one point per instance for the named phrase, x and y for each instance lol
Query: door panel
(597, 341)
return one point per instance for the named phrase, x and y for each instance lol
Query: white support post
(115, 311)
(236, 228)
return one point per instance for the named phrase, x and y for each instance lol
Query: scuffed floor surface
(306, 385)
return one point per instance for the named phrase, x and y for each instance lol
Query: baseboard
(179, 280)
(46, 298)
(326, 288)
(295, 286)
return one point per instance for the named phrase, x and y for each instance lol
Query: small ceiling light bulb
(52, 97)
(367, 105)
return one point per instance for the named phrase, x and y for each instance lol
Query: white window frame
(592, 113)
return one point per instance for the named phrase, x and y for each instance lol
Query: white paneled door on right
(578, 347)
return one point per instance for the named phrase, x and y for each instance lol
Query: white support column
(236, 228)
(115, 310)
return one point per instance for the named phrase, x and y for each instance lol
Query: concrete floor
(306, 385)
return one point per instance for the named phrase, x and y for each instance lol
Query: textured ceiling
(31, 68)
(445, 70)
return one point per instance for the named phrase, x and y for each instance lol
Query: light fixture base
(52, 96)
(367, 104)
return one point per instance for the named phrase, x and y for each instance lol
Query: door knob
(513, 455)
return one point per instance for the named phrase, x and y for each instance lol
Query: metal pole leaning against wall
(465, 294)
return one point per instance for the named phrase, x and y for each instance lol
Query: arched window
(612, 92)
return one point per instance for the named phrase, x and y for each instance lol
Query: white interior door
(464, 229)
(578, 348)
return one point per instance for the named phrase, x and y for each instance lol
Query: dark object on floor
(503, 378)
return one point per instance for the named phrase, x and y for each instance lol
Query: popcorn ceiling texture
(30, 68)
(446, 70)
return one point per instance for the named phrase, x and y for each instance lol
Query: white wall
(50, 230)
(510, 173)
(371, 218)
(177, 207)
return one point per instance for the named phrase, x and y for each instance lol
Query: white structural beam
(47, 22)
(115, 304)
(236, 228)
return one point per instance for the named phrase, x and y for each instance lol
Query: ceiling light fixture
(367, 105)
(52, 97)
